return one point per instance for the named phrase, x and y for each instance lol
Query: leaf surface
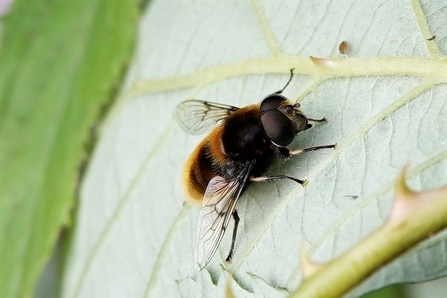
(58, 61)
(385, 103)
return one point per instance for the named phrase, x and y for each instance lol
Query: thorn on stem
(324, 62)
(405, 199)
(307, 266)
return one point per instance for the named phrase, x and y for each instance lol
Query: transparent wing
(197, 116)
(218, 204)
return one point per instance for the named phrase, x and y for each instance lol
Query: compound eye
(271, 102)
(278, 127)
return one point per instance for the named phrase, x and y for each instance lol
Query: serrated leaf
(58, 63)
(385, 103)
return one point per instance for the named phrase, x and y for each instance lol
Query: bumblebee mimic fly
(235, 153)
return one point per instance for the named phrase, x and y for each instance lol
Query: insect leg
(277, 177)
(317, 120)
(233, 240)
(288, 82)
(288, 153)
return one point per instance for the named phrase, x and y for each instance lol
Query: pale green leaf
(385, 102)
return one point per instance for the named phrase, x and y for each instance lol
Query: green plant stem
(414, 217)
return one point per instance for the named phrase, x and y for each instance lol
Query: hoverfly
(236, 152)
